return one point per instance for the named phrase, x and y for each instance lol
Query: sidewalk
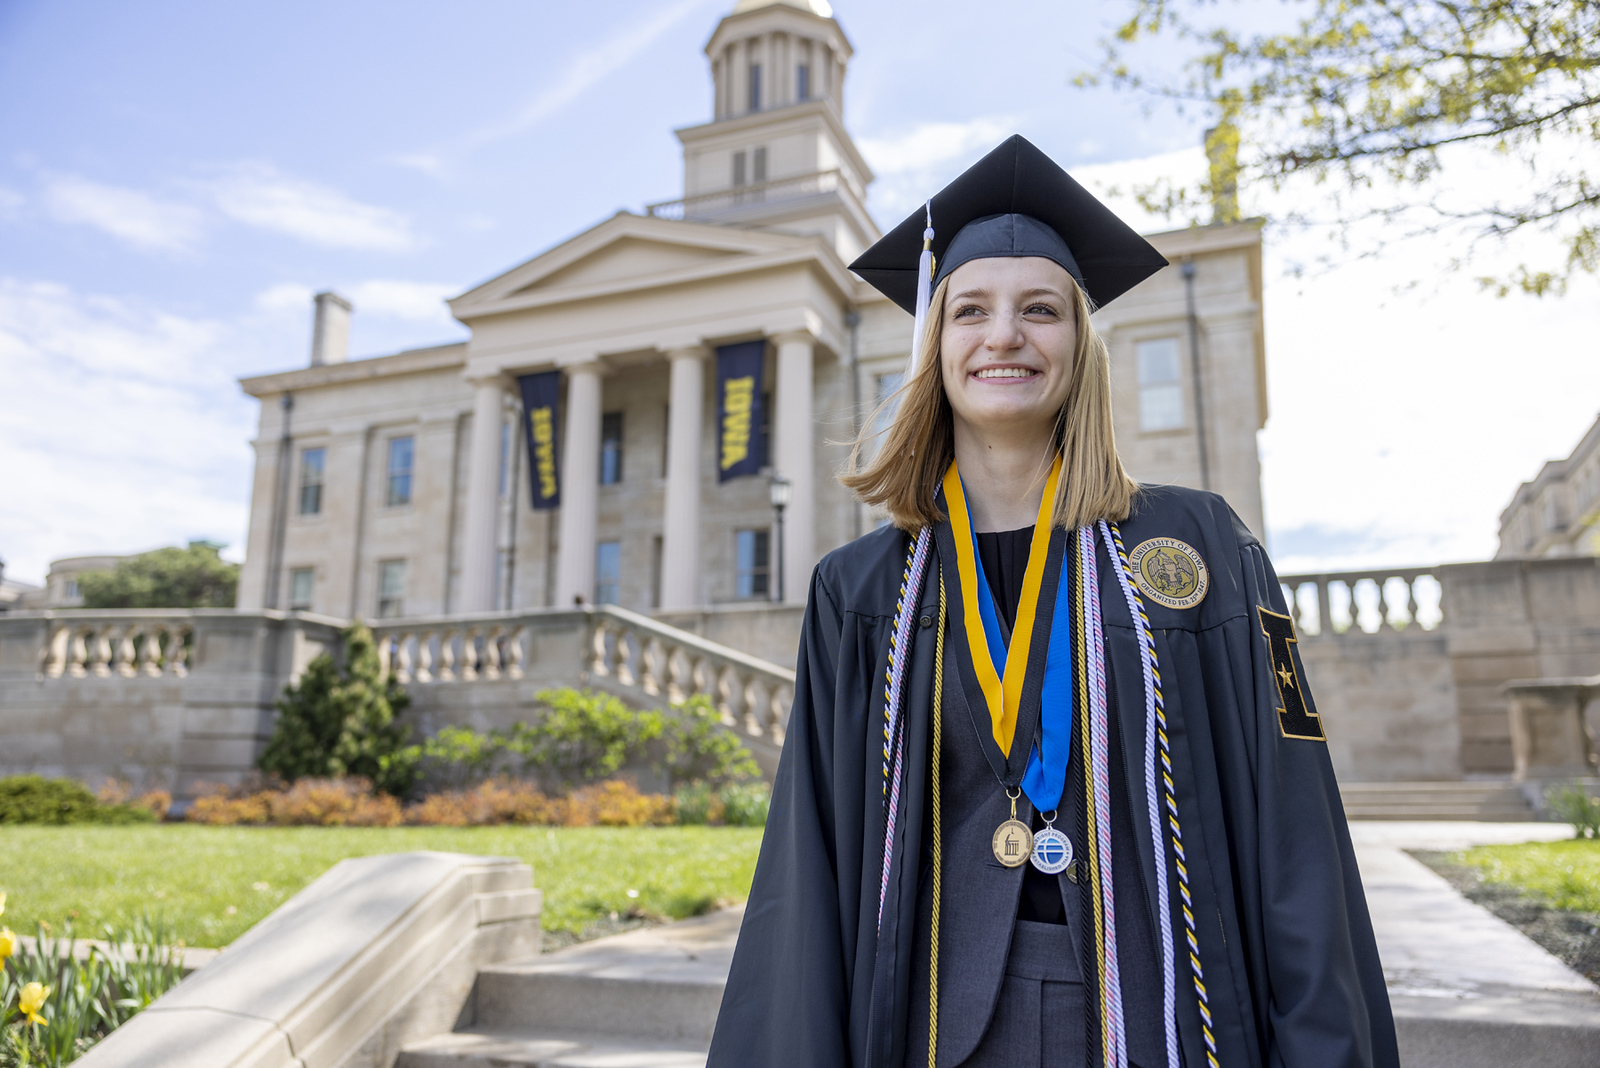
(1467, 988)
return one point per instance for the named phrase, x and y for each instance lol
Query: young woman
(1052, 791)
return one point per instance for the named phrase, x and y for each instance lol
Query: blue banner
(741, 449)
(540, 394)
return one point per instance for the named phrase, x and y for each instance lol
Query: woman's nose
(1005, 333)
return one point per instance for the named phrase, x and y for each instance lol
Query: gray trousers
(1038, 1018)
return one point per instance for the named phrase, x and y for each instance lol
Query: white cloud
(132, 434)
(926, 157)
(283, 297)
(261, 196)
(127, 214)
(419, 302)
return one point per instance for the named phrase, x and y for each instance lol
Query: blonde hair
(920, 443)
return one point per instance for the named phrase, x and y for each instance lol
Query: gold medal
(1013, 840)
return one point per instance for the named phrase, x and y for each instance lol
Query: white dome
(816, 7)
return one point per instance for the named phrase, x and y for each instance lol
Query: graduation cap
(1013, 202)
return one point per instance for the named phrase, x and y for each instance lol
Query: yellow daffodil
(32, 1000)
(8, 943)
(2, 903)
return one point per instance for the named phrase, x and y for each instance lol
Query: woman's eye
(967, 311)
(1039, 309)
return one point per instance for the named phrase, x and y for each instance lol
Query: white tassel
(924, 290)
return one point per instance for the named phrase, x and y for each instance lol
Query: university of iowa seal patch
(1169, 572)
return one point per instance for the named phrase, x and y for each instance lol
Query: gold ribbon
(1002, 695)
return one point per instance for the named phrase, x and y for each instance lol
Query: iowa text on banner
(540, 394)
(740, 450)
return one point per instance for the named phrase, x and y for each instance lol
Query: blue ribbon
(1046, 775)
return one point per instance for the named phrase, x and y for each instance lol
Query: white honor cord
(1169, 976)
(924, 289)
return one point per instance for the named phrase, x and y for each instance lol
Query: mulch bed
(1571, 937)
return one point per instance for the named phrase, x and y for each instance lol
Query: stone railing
(1551, 737)
(1352, 603)
(129, 643)
(602, 646)
(743, 196)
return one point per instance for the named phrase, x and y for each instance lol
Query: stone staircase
(646, 999)
(1490, 802)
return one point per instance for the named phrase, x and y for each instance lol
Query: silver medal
(1052, 851)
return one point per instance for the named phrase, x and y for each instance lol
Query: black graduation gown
(1290, 962)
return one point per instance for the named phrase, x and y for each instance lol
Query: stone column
(793, 458)
(680, 535)
(580, 485)
(483, 493)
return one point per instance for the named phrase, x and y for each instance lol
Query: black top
(1005, 560)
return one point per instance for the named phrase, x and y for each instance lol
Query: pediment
(618, 251)
(627, 257)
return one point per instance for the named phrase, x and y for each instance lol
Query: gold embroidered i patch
(1295, 718)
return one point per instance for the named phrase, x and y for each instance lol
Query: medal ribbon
(1001, 670)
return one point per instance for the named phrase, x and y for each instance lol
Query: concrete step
(1552, 1030)
(1495, 802)
(520, 1049)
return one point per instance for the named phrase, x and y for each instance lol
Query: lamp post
(778, 489)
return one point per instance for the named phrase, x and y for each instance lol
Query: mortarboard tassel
(924, 289)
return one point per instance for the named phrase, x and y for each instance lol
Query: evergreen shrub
(35, 799)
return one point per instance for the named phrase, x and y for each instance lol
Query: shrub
(35, 799)
(699, 749)
(746, 804)
(1572, 804)
(156, 802)
(585, 736)
(486, 804)
(308, 802)
(697, 804)
(339, 722)
(616, 804)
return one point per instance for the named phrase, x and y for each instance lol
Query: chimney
(1222, 155)
(330, 333)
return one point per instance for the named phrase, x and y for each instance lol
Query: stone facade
(396, 486)
(1558, 513)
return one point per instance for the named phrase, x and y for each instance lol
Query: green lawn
(213, 883)
(1565, 874)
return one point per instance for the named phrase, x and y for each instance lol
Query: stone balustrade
(752, 193)
(128, 643)
(1352, 603)
(603, 646)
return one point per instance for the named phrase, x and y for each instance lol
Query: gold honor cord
(938, 740)
(1003, 696)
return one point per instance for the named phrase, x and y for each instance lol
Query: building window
(610, 448)
(755, 87)
(73, 590)
(655, 571)
(608, 572)
(754, 574)
(402, 453)
(1160, 389)
(313, 463)
(666, 437)
(758, 165)
(888, 386)
(301, 581)
(738, 168)
(802, 82)
(391, 588)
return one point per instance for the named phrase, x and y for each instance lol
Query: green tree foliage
(196, 577)
(340, 721)
(1363, 92)
(700, 750)
(586, 736)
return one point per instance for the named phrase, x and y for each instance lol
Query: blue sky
(177, 178)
